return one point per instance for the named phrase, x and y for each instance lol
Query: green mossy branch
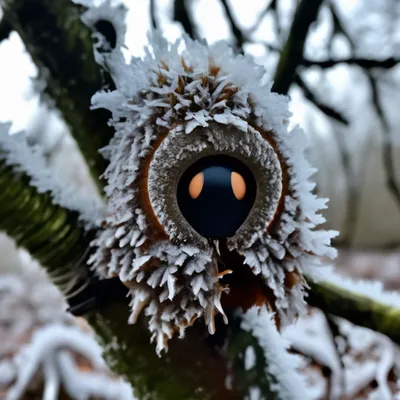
(61, 46)
(51, 234)
(356, 308)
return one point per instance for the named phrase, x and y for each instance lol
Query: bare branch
(355, 307)
(338, 27)
(353, 193)
(237, 33)
(182, 15)
(292, 53)
(153, 14)
(366, 63)
(387, 149)
(327, 110)
(5, 29)
(273, 7)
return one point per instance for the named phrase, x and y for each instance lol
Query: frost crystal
(180, 102)
(15, 152)
(43, 348)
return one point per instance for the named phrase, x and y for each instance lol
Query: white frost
(366, 288)
(280, 366)
(15, 152)
(40, 340)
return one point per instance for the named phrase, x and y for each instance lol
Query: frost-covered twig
(43, 347)
(369, 360)
(280, 365)
(364, 303)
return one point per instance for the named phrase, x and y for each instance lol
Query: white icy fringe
(235, 93)
(366, 356)
(16, 152)
(374, 290)
(280, 366)
(113, 12)
(40, 340)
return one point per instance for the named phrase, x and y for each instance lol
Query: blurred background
(345, 96)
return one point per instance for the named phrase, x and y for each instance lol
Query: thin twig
(335, 332)
(338, 28)
(292, 52)
(310, 96)
(237, 33)
(366, 63)
(387, 148)
(153, 14)
(273, 7)
(353, 192)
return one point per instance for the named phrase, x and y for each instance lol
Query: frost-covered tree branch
(37, 212)
(44, 350)
(362, 303)
(61, 46)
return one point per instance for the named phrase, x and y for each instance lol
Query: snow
(281, 365)
(249, 358)
(365, 356)
(207, 101)
(50, 350)
(373, 290)
(311, 336)
(112, 12)
(39, 337)
(15, 152)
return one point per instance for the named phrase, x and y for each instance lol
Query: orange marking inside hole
(196, 185)
(238, 185)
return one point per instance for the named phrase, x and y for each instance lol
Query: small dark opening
(217, 212)
(106, 28)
